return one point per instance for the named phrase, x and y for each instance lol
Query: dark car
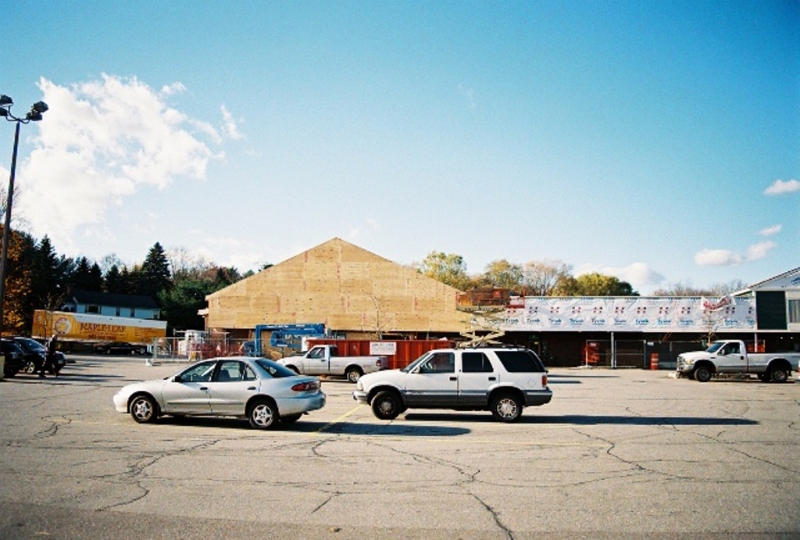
(119, 347)
(35, 353)
(14, 357)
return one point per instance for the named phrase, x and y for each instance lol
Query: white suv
(500, 380)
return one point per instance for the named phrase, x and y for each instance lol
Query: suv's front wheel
(386, 405)
(506, 408)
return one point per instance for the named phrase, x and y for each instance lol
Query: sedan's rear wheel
(263, 414)
(506, 408)
(144, 409)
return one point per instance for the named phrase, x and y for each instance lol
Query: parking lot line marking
(339, 419)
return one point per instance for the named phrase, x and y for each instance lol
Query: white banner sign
(628, 314)
(382, 348)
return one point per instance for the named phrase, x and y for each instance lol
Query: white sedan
(255, 388)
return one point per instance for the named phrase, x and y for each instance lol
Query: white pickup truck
(325, 360)
(731, 356)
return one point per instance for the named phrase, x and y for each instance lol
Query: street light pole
(34, 115)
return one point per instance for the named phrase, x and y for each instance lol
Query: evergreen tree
(86, 277)
(180, 304)
(48, 278)
(155, 275)
(113, 281)
(96, 278)
(129, 281)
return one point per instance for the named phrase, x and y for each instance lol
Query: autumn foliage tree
(448, 268)
(594, 284)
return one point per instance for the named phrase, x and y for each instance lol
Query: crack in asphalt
(133, 483)
(136, 471)
(492, 512)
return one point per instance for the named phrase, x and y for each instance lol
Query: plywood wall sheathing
(338, 283)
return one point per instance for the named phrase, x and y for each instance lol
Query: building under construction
(356, 294)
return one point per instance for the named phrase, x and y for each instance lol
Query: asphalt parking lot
(619, 453)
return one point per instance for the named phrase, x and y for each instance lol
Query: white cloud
(229, 126)
(174, 88)
(639, 275)
(723, 257)
(716, 257)
(241, 254)
(99, 143)
(759, 251)
(779, 187)
(769, 231)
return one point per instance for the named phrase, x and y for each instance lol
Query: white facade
(685, 314)
(629, 314)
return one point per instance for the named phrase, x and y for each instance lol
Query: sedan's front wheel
(263, 414)
(144, 409)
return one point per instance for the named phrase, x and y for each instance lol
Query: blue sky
(655, 141)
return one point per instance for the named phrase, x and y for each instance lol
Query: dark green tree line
(38, 278)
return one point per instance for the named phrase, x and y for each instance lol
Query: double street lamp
(34, 115)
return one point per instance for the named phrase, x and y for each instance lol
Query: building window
(92, 309)
(794, 311)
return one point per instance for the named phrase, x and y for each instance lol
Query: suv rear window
(520, 361)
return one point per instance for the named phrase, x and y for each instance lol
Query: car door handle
(204, 388)
(251, 387)
(492, 378)
(453, 378)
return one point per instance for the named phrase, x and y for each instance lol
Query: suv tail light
(544, 380)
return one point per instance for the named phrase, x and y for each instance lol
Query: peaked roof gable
(350, 253)
(787, 280)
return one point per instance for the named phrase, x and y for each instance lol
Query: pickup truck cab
(731, 356)
(325, 360)
(500, 380)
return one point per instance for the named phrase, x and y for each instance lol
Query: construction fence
(194, 348)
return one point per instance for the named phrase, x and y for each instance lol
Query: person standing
(49, 355)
